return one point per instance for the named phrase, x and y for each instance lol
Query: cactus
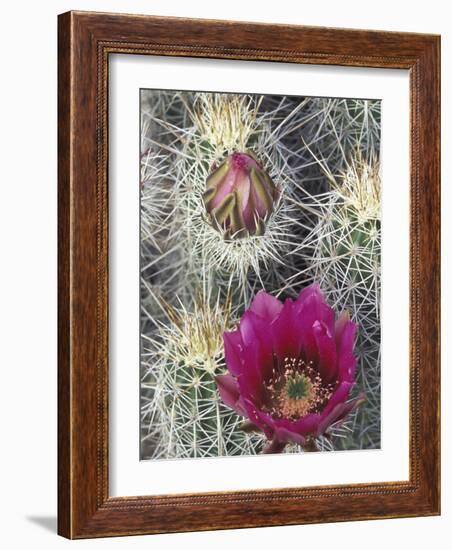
(343, 253)
(220, 126)
(186, 417)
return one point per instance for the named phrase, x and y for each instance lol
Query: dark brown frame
(84, 44)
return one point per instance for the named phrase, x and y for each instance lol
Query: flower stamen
(296, 390)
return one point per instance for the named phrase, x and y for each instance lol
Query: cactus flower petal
(222, 212)
(229, 392)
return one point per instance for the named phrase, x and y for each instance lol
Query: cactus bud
(239, 196)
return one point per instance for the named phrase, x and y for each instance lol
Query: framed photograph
(248, 275)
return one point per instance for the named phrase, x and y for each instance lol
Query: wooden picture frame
(85, 42)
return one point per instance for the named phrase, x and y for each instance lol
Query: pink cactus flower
(291, 368)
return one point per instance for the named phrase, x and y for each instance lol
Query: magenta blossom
(291, 368)
(240, 196)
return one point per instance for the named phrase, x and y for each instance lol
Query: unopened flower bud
(240, 196)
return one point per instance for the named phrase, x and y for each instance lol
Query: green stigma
(298, 386)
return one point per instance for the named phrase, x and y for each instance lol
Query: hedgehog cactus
(231, 179)
(343, 251)
(192, 421)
